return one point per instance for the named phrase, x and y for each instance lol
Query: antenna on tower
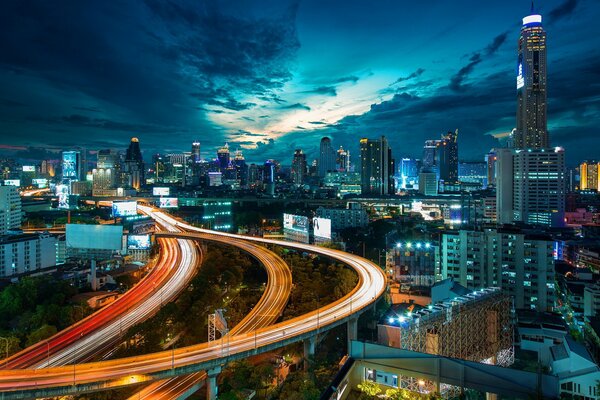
(532, 8)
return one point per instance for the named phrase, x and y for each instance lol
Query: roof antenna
(532, 9)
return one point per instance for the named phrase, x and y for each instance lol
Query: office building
(343, 160)
(327, 157)
(223, 157)
(377, 167)
(10, 209)
(104, 176)
(490, 160)
(353, 216)
(531, 130)
(25, 253)
(473, 172)
(241, 168)
(195, 156)
(539, 187)
(589, 178)
(428, 184)
(298, 167)
(134, 165)
(344, 182)
(409, 173)
(522, 264)
(447, 154)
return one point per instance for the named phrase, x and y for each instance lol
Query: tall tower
(195, 152)
(326, 157)
(377, 167)
(447, 153)
(134, 164)
(223, 157)
(298, 167)
(532, 130)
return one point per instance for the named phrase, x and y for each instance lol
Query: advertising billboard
(161, 191)
(138, 242)
(322, 227)
(124, 208)
(94, 237)
(12, 182)
(40, 182)
(168, 202)
(62, 192)
(297, 223)
(28, 168)
(70, 164)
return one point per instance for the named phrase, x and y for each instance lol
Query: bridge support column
(352, 331)
(309, 350)
(211, 383)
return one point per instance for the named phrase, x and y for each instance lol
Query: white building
(354, 216)
(10, 209)
(522, 265)
(26, 253)
(591, 301)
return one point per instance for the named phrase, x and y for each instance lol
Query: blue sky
(272, 76)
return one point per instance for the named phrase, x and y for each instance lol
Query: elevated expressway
(55, 381)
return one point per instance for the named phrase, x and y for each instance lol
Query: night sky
(272, 76)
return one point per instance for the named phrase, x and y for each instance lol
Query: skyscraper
(195, 157)
(589, 175)
(377, 167)
(298, 167)
(490, 159)
(447, 153)
(241, 168)
(343, 160)
(134, 164)
(106, 172)
(71, 166)
(326, 157)
(223, 157)
(10, 209)
(531, 130)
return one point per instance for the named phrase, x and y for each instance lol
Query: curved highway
(266, 311)
(114, 373)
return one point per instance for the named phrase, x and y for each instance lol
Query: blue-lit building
(473, 172)
(218, 215)
(414, 262)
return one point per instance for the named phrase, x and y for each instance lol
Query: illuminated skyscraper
(531, 130)
(377, 167)
(447, 153)
(298, 167)
(71, 166)
(223, 157)
(134, 164)
(589, 175)
(343, 160)
(195, 157)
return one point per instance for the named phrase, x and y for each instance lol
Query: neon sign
(520, 77)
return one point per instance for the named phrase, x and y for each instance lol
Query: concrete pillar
(352, 331)
(309, 350)
(211, 383)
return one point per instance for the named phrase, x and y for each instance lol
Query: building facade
(26, 253)
(10, 209)
(377, 167)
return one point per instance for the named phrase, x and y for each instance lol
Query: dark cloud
(295, 106)
(496, 43)
(90, 109)
(415, 74)
(350, 78)
(317, 122)
(563, 11)
(82, 121)
(324, 90)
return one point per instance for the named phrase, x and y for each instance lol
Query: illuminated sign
(12, 182)
(70, 165)
(160, 191)
(520, 77)
(532, 19)
(295, 223)
(40, 183)
(138, 242)
(124, 208)
(322, 227)
(168, 202)
(98, 237)
(28, 168)
(62, 191)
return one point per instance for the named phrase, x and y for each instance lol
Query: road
(114, 373)
(176, 266)
(266, 311)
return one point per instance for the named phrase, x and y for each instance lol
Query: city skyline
(408, 92)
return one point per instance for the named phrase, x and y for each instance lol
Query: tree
(369, 388)
(43, 332)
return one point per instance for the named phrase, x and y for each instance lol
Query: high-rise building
(589, 176)
(10, 209)
(490, 159)
(447, 153)
(195, 158)
(473, 172)
(428, 184)
(223, 157)
(134, 165)
(71, 166)
(377, 167)
(298, 167)
(409, 173)
(241, 168)
(519, 263)
(326, 157)
(531, 130)
(25, 253)
(539, 191)
(106, 172)
(504, 185)
(343, 160)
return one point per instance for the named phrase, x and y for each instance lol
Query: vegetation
(34, 309)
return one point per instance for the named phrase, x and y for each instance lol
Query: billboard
(138, 242)
(297, 223)
(94, 237)
(322, 227)
(160, 191)
(12, 182)
(28, 168)
(40, 182)
(70, 164)
(124, 208)
(168, 202)
(62, 192)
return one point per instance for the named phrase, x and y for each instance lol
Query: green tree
(369, 388)
(43, 332)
